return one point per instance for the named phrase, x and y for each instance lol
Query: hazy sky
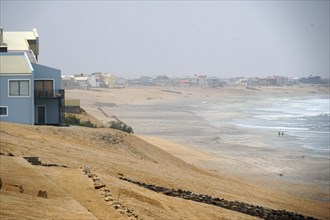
(216, 38)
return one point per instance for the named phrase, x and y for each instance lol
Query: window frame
(6, 115)
(19, 80)
(44, 79)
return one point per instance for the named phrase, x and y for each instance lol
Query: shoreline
(252, 162)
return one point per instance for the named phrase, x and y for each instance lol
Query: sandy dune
(110, 154)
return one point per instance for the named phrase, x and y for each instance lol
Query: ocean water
(307, 119)
(197, 122)
(304, 118)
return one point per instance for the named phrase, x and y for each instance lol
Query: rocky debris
(99, 185)
(106, 193)
(86, 170)
(249, 209)
(91, 175)
(112, 139)
(42, 194)
(108, 198)
(97, 182)
(53, 165)
(95, 178)
(10, 154)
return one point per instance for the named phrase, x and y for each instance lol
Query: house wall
(20, 109)
(52, 110)
(45, 72)
(52, 105)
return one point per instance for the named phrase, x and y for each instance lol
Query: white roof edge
(29, 63)
(34, 30)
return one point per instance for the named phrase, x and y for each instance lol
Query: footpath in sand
(112, 154)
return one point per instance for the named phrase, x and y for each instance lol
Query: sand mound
(111, 154)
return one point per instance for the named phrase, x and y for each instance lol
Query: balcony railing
(49, 94)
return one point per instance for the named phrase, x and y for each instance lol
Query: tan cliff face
(111, 154)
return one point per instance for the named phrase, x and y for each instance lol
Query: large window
(40, 85)
(19, 88)
(3, 110)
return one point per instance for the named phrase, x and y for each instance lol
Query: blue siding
(52, 105)
(45, 72)
(52, 110)
(20, 109)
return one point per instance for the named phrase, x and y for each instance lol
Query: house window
(19, 88)
(3, 110)
(41, 85)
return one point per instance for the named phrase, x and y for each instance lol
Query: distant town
(106, 80)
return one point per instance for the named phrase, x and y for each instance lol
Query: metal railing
(49, 94)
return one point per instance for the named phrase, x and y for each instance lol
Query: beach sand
(260, 158)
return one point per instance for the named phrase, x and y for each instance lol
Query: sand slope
(110, 154)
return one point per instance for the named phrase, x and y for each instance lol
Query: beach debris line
(245, 208)
(108, 197)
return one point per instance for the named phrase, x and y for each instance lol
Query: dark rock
(99, 186)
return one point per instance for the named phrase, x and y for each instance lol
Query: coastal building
(108, 80)
(81, 81)
(214, 82)
(30, 92)
(68, 82)
(273, 81)
(311, 80)
(94, 80)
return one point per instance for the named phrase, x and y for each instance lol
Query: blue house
(30, 93)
